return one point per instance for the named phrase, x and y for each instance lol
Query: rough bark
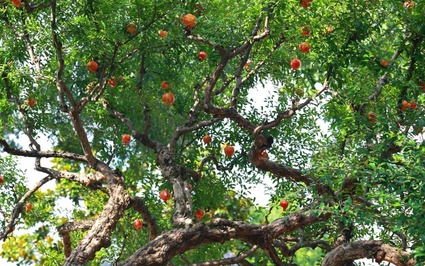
(163, 248)
(367, 249)
(99, 235)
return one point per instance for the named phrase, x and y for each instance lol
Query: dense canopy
(164, 116)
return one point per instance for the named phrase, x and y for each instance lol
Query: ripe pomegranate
(92, 66)
(200, 213)
(305, 30)
(168, 98)
(131, 28)
(384, 63)
(126, 139)
(404, 105)
(306, 3)
(1, 180)
(165, 195)
(284, 204)
(163, 33)
(189, 20)
(30, 102)
(112, 82)
(409, 4)
(299, 92)
(247, 64)
(264, 155)
(138, 224)
(165, 85)
(305, 47)
(295, 64)
(229, 151)
(28, 207)
(372, 118)
(207, 139)
(202, 55)
(16, 3)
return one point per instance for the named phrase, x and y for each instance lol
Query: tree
(127, 90)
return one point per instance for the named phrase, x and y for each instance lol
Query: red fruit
(305, 47)
(202, 55)
(199, 214)
(404, 105)
(264, 155)
(247, 64)
(306, 3)
(30, 102)
(165, 85)
(413, 105)
(28, 207)
(299, 92)
(207, 139)
(126, 139)
(295, 64)
(168, 98)
(16, 3)
(131, 28)
(284, 204)
(189, 20)
(1, 180)
(165, 195)
(138, 224)
(92, 66)
(229, 151)
(305, 30)
(409, 4)
(112, 82)
(163, 33)
(372, 118)
(384, 63)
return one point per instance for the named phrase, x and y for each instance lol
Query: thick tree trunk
(99, 235)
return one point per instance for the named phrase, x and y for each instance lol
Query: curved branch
(367, 249)
(139, 205)
(41, 154)
(18, 208)
(178, 241)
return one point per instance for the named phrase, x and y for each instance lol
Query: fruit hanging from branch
(165, 195)
(165, 85)
(138, 224)
(202, 55)
(189, 20)
(28, 207)
(30, 102)
(92, 66)
(305, 30)
(163, 33)
(306, 3)
(126, 139)
(16, 3)
(295, 64)
(284, 204)
(168, 98)
(229, 151)
(1, 180)
(131, 28)
(305, 47)
(112, 82)
(200, 213)
(207, 139)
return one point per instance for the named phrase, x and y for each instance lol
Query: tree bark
(349, 252)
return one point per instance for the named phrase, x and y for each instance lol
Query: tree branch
(242, 256)
(367, 249)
